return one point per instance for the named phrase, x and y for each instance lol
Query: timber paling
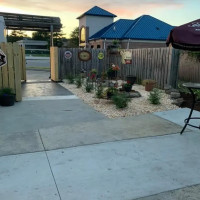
(15, 70)
(160, 64)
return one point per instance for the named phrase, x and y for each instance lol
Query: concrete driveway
(61, 149)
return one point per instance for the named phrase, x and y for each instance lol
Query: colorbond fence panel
(160, 64)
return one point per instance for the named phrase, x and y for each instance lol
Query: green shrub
(120, 100)
(111, 91)
(88, 86)
(6, 91)
(78, 81)
(155, 96)
(70, 79)
(99, 92)
(127, 87)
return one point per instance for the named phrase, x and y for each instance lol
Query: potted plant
(93, 74)
(7, 97)
(114, 48)
(112, 71)
(149, 84)
(131, 79)
(127, 87)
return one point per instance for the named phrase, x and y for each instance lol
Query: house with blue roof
(98, 30)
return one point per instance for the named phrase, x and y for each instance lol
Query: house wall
(82, 22)
(132, 45)
(96, 23)
(2, 30)
(145, 44)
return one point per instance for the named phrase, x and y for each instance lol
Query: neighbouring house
(98, 30)
(2, 30)
(34, 46)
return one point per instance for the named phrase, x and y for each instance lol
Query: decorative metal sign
(126, 57)
(84, 55)
(3, 60)
(101, 55)
(68, 54)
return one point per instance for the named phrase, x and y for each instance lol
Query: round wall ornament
(68, 54)
(84, 55)
(100, 55)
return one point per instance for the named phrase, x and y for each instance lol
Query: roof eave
(96, 15)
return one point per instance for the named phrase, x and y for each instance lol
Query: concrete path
(61, 149)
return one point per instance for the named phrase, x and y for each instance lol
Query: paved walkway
(61, 149)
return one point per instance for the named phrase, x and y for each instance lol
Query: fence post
(54, 63)
(16, 50)
(174, 68)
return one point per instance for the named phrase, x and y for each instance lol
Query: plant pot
(7, 100)
(109, 95)
(131, 79)
(149, 86)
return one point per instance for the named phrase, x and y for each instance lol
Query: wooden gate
(15, 70)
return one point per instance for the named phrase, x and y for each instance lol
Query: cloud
(69, 10)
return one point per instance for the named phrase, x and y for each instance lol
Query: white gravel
(136, 106)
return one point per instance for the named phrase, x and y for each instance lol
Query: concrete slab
(37, 75)
(17, 143)
(127, 169)
(106, 130)
(32, 115)
(26, 177)
(187, 193)
(49, 98)
(43, 89)
(178, 116)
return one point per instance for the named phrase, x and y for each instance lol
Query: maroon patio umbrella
(186, 36)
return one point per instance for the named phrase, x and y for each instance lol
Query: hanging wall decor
(84, 55)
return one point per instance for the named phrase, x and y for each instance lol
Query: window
(83, 35)
(92, 46)
(98, 46)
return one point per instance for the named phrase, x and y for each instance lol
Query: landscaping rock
(167, 87)
(175, 95)
(174, 90)
(134, 94)
(178, 101)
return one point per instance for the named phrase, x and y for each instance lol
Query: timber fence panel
(189, 69)
(159, 64)
(11, 74)
(4, 69)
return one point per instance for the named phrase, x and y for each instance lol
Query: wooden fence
(160, 64)
(189, 68)
(15, 70)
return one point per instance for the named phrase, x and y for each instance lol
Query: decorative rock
(178, 101)
(168, 91)
(134, 94)
(174, 90)
(175, 95)
(167, 87)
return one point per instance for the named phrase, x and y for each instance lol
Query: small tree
(16, 35)
(74, 38)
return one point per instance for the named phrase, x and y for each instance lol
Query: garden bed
(136, 106)
(187, 101)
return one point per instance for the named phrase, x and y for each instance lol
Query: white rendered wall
(2, 30)
(96, 23)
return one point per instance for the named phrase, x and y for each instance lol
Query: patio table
(190, 87)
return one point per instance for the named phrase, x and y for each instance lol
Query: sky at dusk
(173, 12)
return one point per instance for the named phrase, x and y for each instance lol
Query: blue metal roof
(143, 28)
(97, 11)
